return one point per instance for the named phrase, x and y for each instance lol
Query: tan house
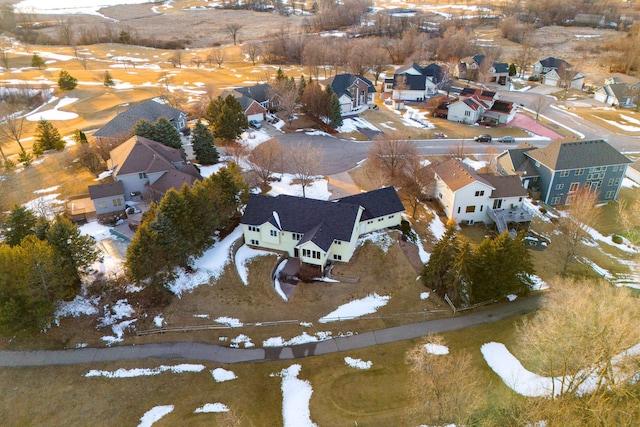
(317, 231)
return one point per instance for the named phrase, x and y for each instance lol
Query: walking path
(216, 353)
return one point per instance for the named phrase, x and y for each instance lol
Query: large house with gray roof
(469, 196)
(354, 92)
(411, 82)
(560, 169)
(120, 128)
(144, 169)
(317, 231)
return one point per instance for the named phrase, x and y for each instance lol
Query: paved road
(216, 353)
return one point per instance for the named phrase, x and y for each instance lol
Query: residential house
(316, 231)
(120, 128)
(354, 92)
(471, 67)
(148, 169)
(412, 82)
(499, 72)
(468, 196)
(250, 107)
(515, 162)
(108, 199)
(542, 67)
(617, 93)
(475, 105)
(564, 167)
(564, 78)
(256, 100)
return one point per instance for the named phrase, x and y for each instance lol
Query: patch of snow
(252, 138)
(437, 227)
(154, 414)
(352, 124)
(424, 295)
(222, 375)
(296, 394)
(475, 164)
(242, 339)
(78, 307)
(243, 255)
(306, 324)
(47, 190)
(512, 297)
(437, 349)
(351, 310)
(318, 189)
(55, 114)
(201, 316)
(304, 338)
(229, 321)
(358, 363)
(158, 321)
(379, 238)
(211, 407)
(82, 345)
(207, 171)
(95, 230)
(145, 372)
(538, 283)
(276, 282)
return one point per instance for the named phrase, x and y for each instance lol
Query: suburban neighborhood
(316, 214)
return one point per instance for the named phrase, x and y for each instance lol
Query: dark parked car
(482, 138)
(507, 139)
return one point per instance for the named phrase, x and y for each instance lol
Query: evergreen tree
(47, 138)
(144, 128)
(174, 228)
(20, 223)
(37, 61)
(74, 252)
(513, 70)
(66, 81)
(204, 145)
(80, 137)
(302, 85)
(25, 158)
(166, 133)
(231, 121)
(280, 76)
(108, 80)
(335, 112)
(213, 110)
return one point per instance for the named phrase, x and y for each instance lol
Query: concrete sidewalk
(216, 353)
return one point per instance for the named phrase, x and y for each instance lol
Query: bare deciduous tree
(197, 61)
(304, 162)
(176, 58)
(266, 158)
(540, 104)
(217, 56)
(391, 153)
(445, 388)
(459, 150)
(11, 125)
(253, 50)
(233, 28)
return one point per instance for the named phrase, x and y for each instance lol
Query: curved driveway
(216, 353)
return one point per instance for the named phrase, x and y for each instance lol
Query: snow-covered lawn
(437, 349)
(154, 414)
(222, 375)
(358, 363)
(296, 394)
(145, 372)
(243, 255)
(55, 114)
(356, 308)
(352, 124)
(211, 407)
(318, 189)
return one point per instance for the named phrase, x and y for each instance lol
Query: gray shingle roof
(552, 62)
(340, 83)
(259, 92)
(148, 110)
(111, 189)
(376, 203)
(505, 186)
(412, 82)
(575, 155)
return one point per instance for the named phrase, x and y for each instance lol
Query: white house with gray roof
(318, 231)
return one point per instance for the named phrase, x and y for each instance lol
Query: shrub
(66, 81)
(617, 239)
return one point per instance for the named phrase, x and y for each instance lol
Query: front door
(296, 253)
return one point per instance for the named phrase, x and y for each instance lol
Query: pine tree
(144, 128)
(174, 228)
(80, 137)
(213, 110)
(231, 121)
(513, 70)
(47, 138)
(335, 112)
(280, 75)
(20, 223)
(302, 85)
(66, 81)
(204, 145)
(108, 80)
(37, 61)
(166, 133)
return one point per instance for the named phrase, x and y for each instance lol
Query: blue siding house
(561, 168)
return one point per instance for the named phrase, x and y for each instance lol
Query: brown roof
(173, 179)
(106, 190)
(458, 175)
(505, 186)
(139, 154)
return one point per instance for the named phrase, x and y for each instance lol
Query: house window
(273, 233)
(598, 169)
(595, 185)
(390, 216)
(440, 195)
(574, 187)
(579, 172)
(369, 222)
(615, 168)
(117, 202)
(497, 204)
(479, 193)
(142, 175)
(337, 242)
(296, 236)
(458, 209)
(559, 186)
(316, 254)
(470, 209)
(555, 201)
(337, 257)
(255, 242)
(102, 204)
(520, 199)
(617, 181)
(253, 228)
(467, 113)
(564, 174)
(609, 194)
(481, 206)
(611, 181)
(380, 219)
(306, 252)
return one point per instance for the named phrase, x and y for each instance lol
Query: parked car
(255, 124)
(439, 135)
(482, 138)
(507, 140)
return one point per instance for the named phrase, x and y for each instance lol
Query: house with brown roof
(108, 199)
(469, 196)
(146, 169)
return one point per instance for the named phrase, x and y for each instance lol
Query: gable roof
(457, 175)
(148, 110)
(110, 189)
(434, 71)
(259, 92)
(505, 186)
(409, 67)
(478, 59)
(619, 90)
(340, 83)
(552, 62)
(413, 82)
(377, 203)
(501, 67)
(575, 155)
(480, 93)
(138, 154)
(175, 178)
(319, 221)
(515, 161)
(505, 107)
